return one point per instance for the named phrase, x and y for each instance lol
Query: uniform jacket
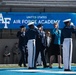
(31, 34)
(21, 36)
(67, 32)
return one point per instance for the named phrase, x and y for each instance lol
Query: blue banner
(13, 20)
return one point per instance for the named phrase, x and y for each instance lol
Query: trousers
(31, 52)
(39, 59)
(67, 53)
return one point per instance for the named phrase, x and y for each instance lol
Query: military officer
(66, 38)
(30, 42)
(21, 36)
(40, 45)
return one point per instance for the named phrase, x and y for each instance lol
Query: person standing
(48, 42)
(66, 40)
(21, 45)
(40, 45)
(55, 45)
(39, 61)
(30, 43)
(16, 53)
(6, 55)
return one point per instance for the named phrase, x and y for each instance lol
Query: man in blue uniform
(30, 41)
(40, 45)
(66, 40)
(21, 36)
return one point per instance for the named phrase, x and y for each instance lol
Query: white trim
(46, 71)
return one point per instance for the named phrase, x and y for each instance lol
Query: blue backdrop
(13, 20)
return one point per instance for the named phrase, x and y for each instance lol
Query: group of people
(37, 42)
(14, 53)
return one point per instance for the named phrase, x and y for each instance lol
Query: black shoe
(34, 67)
(39, 65)
(60, 67)
(45, 66)
(50, 67)
(31, 68)
(25, 66)
(67, 70)
(19, 65)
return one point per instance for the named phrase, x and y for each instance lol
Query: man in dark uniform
(66, 40)
(40, 45)
(21, 36)
(30, 42)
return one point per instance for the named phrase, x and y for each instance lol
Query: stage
(39, 71)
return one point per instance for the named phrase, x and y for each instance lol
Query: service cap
(30, 23)
(67, 20)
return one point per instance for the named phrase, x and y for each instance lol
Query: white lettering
(33, 17)
(42, 17)
(17, 21)
(48, 21)
(27, 21)
(5, 21)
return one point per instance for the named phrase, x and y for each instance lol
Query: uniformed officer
(40, 45)
(67, 43)
(30, 38)
(21, 36)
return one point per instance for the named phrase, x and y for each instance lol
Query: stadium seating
(41, 2)
(38, 0)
